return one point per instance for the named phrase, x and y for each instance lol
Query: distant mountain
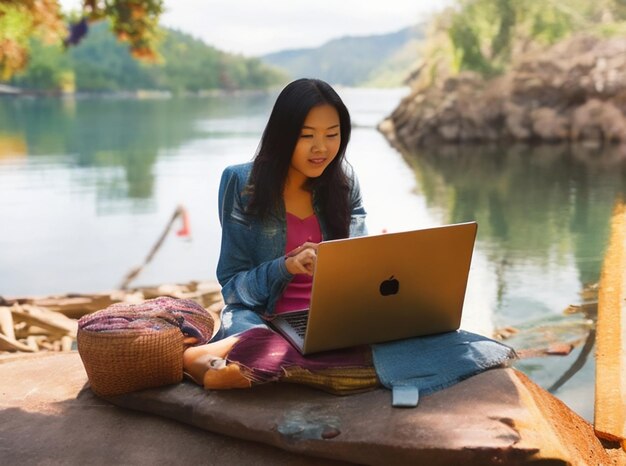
(377, 60)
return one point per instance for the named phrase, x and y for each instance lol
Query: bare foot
(197, 360)
(228, 377)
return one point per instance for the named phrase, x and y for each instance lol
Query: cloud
(253, 28)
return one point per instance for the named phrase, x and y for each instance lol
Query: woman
(274, 211)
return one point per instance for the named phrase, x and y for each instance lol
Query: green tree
(49, 68)
(485, 35)
(132, 21)
(101, 63)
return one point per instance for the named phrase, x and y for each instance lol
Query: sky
(256, 27)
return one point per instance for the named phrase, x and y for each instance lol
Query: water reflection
(12, 146)
(533, 204)
(544, 217)
(119, 134)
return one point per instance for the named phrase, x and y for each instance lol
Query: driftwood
(184, 231)
(549, 337)
(29, 329)
(32, 324)
(559, 338)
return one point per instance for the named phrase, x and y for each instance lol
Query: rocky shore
(573, 91)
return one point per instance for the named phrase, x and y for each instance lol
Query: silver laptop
(385, 287)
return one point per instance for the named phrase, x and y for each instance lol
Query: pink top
(298, 293)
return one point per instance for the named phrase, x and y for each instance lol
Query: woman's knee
(236, 321)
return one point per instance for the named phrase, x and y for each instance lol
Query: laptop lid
(386, 287)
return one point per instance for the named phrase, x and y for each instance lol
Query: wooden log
(204, 293)
(32, 324)
(610, 401)
(23, 330)
(33, 342)
(6, 323)
(76, 306)
(54, 322)
(66, 343)
(8, 344)
(42, 342)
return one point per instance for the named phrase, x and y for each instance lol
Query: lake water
(88, 185)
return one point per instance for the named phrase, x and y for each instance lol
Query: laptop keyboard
(298, 321)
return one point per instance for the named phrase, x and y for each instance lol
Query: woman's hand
(302, 259)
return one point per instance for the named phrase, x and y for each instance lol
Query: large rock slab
(47, 416)
(498, 417)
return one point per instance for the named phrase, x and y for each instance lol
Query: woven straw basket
(133, 359)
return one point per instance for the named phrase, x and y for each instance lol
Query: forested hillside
(382, 60)
(489, 36)
(101, 63)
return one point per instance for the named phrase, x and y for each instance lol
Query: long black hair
(273, 157)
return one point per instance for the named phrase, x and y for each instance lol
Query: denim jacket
(251, 267)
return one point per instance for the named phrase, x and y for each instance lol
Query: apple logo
(389, 287)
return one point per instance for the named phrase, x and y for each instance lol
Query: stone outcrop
(497, 417)
(576, 90)
(49, 416)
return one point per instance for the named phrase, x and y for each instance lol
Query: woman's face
(317, 145)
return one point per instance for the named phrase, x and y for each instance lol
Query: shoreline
(131, 94)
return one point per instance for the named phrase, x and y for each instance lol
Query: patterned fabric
(410, 367)
(154, 314)
(339, 380)
(266, 356)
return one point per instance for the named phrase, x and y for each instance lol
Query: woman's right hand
(302, 259)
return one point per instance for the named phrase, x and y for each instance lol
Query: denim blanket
(423, 365)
